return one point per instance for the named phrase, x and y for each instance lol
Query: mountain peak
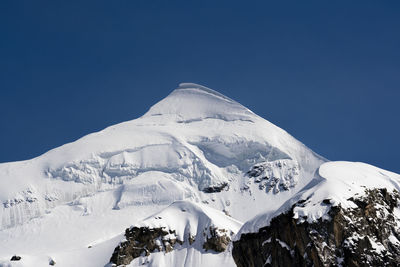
(195, 145)
(202, 89)
(192, 101)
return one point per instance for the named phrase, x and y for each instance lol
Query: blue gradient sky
(328, 72)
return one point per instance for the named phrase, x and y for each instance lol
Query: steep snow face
(192, 102)
(195, 140)
(194, 145)
(335, 183)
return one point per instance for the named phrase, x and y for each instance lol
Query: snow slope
(194, 137)
(195, 144)
(189, 220)
(336, 182)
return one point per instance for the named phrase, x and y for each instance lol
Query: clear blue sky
(328, 72)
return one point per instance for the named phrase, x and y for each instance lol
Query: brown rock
(347, 238)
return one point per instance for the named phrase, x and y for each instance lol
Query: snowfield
(196, 148)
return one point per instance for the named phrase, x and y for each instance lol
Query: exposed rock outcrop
(278, 175)
(218, 240)
(141, 242)
(183, 225)
(367, 235)
(216, 188)
(15, 258)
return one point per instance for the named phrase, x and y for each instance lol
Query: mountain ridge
(195, 145)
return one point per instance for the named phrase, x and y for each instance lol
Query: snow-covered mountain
(195, 150)
(192, 142)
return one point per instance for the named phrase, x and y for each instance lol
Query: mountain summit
(193, 102)
(195, 140)
(197, 159)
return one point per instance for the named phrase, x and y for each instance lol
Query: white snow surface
(184, 258)
(336, 181)
(88, 191)
(187, 218)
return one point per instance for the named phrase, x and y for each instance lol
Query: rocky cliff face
(367, 235)
(143, 241)
(275, 176)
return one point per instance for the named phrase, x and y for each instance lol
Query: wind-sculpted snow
(242, 153)
(195, 102)
(195, 144)
(153, 188)
(124, 166)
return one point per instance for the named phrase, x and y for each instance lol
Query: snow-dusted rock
(347, 216)
(183, 225)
